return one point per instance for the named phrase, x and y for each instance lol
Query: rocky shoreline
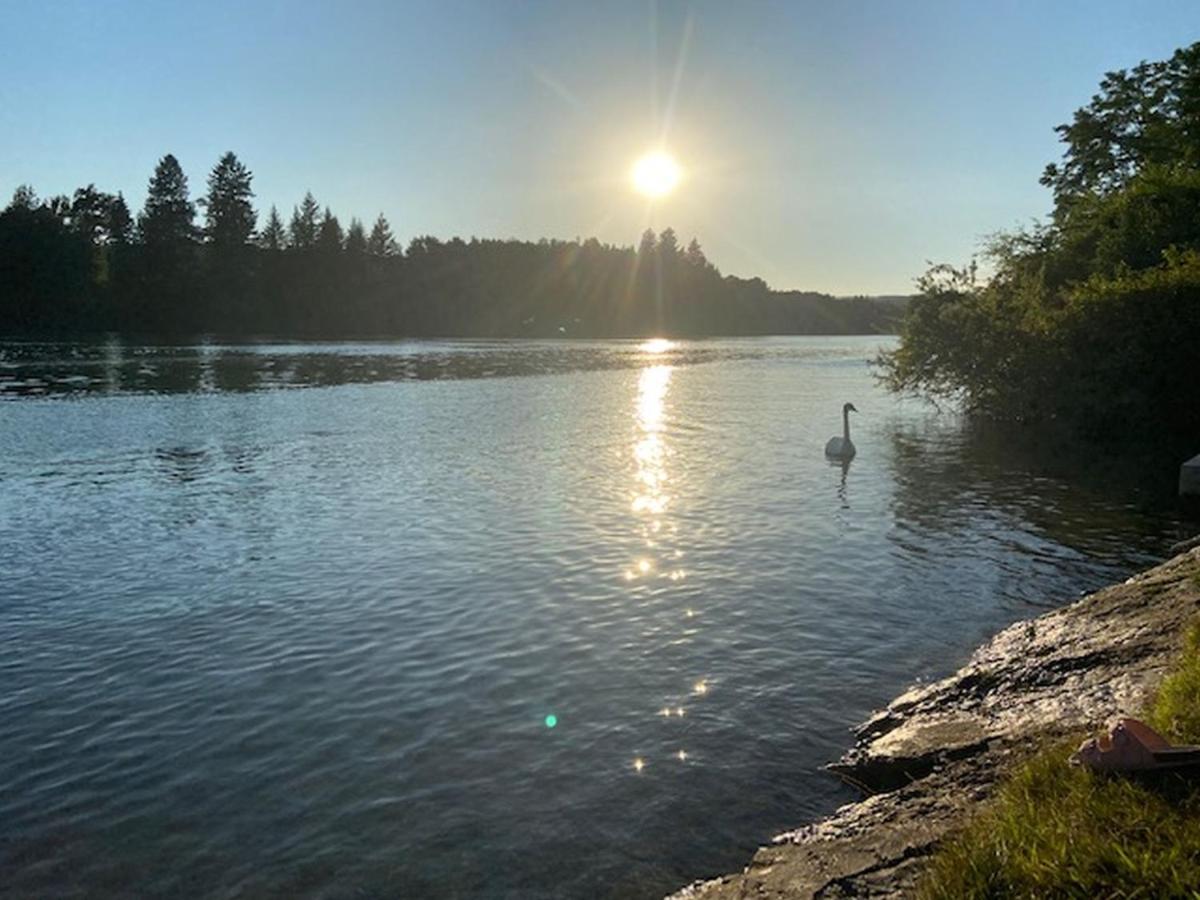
(936, 751)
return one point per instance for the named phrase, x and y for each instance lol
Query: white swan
(842, 447)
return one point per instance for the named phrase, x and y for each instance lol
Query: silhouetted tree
(303, 227)
(356, 239)
(120, 221)
(425, 245)
(100, 218)
(356, 268)
(168, 216)
(329, 235)
(381, 242)
(668, 244)
(103, 221)
(166, 267)
(1092, 320)
(229, 215)
(46, 267)
(1141, 117)
(89, 214)
(68, 264)
(229, 233)
(24, 197)
(273, 236)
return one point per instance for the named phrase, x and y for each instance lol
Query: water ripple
(291, 620)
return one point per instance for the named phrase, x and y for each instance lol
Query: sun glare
(656, 174)
(656, 345)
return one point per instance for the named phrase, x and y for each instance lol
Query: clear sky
(831, 146)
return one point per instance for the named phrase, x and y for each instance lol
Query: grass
(1057, 831)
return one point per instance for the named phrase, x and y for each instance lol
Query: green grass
(1175, 712)
(1056, 831)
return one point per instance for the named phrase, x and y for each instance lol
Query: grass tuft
(1053, 830)
(1175, 712)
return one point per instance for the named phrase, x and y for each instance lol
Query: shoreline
(936, 751)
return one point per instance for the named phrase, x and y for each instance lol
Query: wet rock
(938, 750)
(1184, 546)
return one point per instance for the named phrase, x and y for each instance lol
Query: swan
(842, 447)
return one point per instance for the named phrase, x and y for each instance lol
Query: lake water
(482, 619)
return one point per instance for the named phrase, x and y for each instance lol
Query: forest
(1091, 319)
(85, 265)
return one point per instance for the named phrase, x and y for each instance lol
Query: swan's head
(848, 407)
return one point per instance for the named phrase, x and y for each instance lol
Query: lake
(484, 619)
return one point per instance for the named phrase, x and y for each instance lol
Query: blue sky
(831, 146)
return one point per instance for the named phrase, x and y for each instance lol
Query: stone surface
(938, 750)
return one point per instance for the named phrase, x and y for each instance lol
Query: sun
(656, 174)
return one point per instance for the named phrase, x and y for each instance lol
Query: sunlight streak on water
(657, 345)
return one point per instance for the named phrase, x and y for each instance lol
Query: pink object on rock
(1132, 746)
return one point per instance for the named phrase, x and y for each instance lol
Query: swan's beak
(852, 408)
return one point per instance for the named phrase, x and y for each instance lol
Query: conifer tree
(229, 215)
(273, 235)
(356, 239)
(167, 218)
(120, 222)
(329, 236)
(381, 242)
(303, 227)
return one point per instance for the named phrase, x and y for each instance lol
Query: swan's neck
(846, 425)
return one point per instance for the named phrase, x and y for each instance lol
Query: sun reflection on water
(649, 450)
(658, 569)
(656, 345)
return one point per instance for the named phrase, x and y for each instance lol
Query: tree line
(85, 264)
(1092, 318)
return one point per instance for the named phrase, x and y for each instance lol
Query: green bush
(1092, 320)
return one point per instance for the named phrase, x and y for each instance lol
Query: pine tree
(694, 256)
(229, 216)
(120, 222)
(167, 219)
(273, 235)
(381, 242)
(303, 227)
(356, 239)
(329, 236)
